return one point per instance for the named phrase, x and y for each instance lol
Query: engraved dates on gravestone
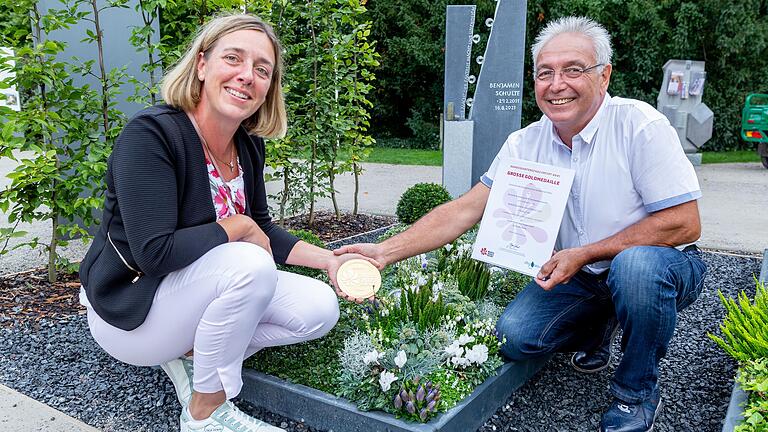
(496, 106)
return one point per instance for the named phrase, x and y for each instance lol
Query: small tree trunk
(47, 145)
(284, 197)
(52, 249)
(357, 188)
(102, 70)
(311, 221)
(355, 147)
(52, 252)
(332, 177)
(148, 19)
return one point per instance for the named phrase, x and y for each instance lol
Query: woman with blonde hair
(182, 272)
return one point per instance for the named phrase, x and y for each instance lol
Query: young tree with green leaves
(62, 136)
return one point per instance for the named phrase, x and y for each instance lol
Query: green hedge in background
(730, 35)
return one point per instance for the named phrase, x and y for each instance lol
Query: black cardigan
(159, 213)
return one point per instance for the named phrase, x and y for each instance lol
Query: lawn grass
(404, 156)
(730, 156)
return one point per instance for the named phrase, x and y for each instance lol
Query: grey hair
(599, 36)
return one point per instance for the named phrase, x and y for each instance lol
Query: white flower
(448, 247)
(478, 354)
(400, 359)
(422, 281)
(460, 361)
(372, 357)
(465, 339)
(386, 379)
(454, 350)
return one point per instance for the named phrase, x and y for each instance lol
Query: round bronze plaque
(358, 278)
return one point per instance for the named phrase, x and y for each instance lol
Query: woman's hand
(334, 262)
(242, 228)
(256, 236)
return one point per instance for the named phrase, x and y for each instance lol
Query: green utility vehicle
(754, 123)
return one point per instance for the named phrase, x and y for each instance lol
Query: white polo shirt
(628, 161)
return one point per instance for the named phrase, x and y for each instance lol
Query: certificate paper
(523, 215)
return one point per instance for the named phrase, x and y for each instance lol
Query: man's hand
(333, 267)
(561, 267)
(369, 250)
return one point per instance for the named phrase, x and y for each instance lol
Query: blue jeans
(644, 289)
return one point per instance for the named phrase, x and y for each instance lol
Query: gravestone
(679, 99)
(471, 143)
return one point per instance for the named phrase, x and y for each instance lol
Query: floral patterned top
(228, 197)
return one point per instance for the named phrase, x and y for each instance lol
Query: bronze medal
(358, 278)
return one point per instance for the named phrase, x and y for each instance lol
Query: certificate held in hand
(523, 214)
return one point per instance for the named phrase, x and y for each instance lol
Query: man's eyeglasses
(570, 72)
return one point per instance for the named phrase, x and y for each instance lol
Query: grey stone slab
(459, 23)
(324, 411)
(735, 413)
(497, 102)
(700, 122)
(695, 158)
(457, 157)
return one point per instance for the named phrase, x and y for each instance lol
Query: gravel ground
(57, 362)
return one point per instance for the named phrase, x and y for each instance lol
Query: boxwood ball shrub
(419, 199)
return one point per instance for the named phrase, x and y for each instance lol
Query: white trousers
(227, 305)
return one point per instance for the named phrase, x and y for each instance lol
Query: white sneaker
(226, 418)
(180, 372)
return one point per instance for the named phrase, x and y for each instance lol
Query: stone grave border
(324, 411)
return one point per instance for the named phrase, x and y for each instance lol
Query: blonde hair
(180, 87)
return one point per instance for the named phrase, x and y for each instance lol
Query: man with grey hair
(624, 255)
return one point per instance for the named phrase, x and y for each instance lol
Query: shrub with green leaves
(745, 328)
(419, 199)
(753, 377)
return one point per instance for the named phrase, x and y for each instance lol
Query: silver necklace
(230, 163)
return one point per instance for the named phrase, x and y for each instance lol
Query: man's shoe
(180, 372)
(597, 360)
(226, 418)
(624, 417)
